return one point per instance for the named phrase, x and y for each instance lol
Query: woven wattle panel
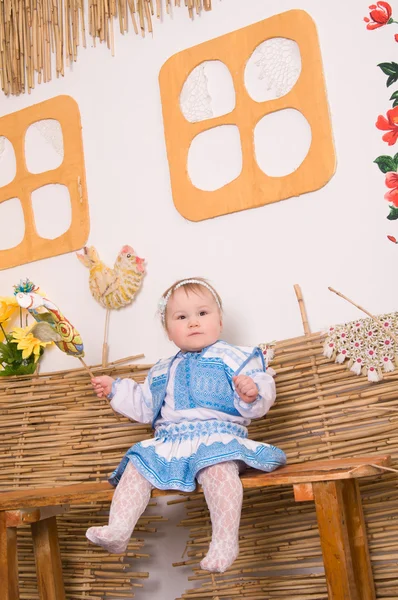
(322, 411)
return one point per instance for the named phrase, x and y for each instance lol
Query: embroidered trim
(114, 388)
(191, 430)
(180, 474)
(203, 383)
(365, 344)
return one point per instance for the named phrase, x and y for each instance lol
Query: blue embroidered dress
(198, 417)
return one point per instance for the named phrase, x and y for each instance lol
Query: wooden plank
(311, 471)
(308, 472)
(336, 549)
(48, 560)
(358, 540)
(13, 586)
(303, 492)
(16, 518)
(8, 561)
(4, 555)
(67, 494)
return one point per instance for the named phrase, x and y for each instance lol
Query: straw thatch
(31, 32)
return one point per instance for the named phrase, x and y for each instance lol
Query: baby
(200, 402)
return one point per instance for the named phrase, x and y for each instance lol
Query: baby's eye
(181, 317)
(203, 313)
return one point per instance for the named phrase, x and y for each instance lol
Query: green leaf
(389, 68)
(6, 353)
(393, 216)
(395, 103)
(392, 79)
(395, 95)
(20, 370)
(386, 163)
(10, 354)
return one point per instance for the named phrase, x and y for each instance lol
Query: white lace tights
(223, 492)
(130, 499)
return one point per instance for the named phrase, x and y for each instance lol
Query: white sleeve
(264, 401)
(254, 367)
(133, 400)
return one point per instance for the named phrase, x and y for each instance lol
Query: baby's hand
(102, 385)
(245, 388)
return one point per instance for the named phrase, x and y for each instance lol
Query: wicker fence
(53, 430)
(323, 411)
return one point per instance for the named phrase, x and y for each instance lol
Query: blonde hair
(192, 284)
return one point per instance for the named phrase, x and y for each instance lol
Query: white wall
(335, 236)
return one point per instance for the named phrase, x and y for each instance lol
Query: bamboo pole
(303, 311)
(376, 319)
(86, 367)
(105, 347)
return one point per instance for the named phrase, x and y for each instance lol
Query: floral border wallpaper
(381, 15)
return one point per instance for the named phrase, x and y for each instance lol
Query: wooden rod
(394, 337)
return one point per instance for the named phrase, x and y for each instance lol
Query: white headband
(163, 301)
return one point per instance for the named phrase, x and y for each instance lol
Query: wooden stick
(105, 342)
(303, 311)
(391, 333)
(124, 360)
(86, 367)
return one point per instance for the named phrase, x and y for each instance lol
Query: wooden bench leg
(8, 560)
(358, 539)
(343, 540)
(48, 559)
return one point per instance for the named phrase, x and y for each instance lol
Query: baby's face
(193, 319)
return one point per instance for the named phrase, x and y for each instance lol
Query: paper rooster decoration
(51, 323)
(113, 288)
(117, 287)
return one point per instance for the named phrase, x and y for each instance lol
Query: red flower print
(392, 196)
(396, 37)
(390, 125)
(392, 239)
(392, 183)
(380, 15)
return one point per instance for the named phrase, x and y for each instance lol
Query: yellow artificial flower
(8, 305)
(27, 342)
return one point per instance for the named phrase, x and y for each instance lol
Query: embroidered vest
(202, 379)
(203, 382)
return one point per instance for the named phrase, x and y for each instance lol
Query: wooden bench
(331, 484)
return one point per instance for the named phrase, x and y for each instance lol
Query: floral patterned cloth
(366, 344)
